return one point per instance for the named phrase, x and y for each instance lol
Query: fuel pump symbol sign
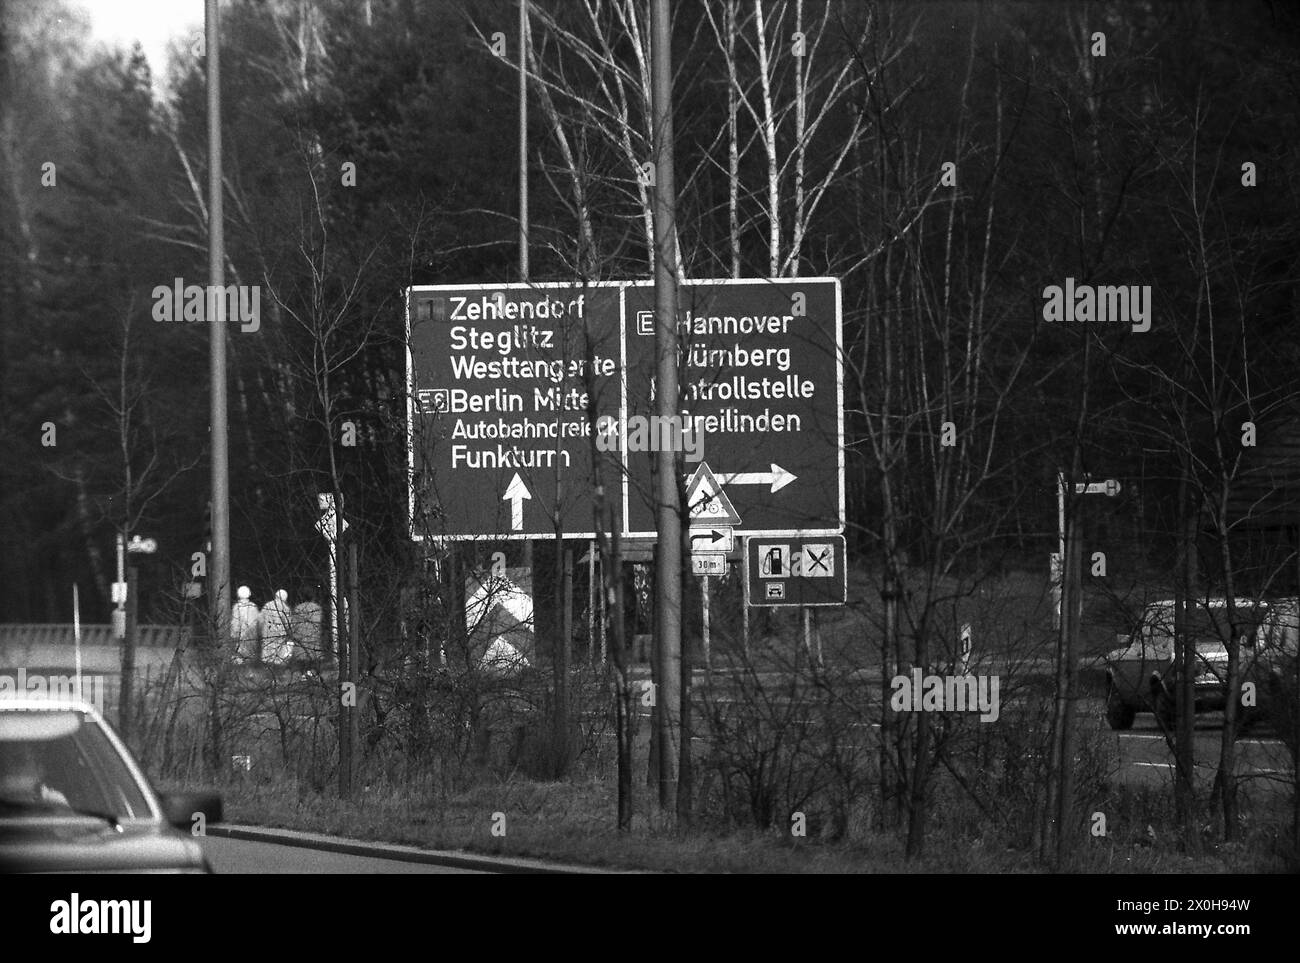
(774, 561)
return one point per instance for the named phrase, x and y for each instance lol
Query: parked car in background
(1277, 654)
(72, 799)
(1143, 675)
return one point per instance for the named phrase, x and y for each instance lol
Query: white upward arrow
(515, 494)
(778, 477)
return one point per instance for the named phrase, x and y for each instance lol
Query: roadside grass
(1007, 613)
(573, 822)
(982, 826)
(1010, 614)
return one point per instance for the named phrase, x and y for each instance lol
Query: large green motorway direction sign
(512, 386)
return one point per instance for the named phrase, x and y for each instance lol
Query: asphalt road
(1263, 762)
(243, 856)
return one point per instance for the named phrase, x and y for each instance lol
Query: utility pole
(119, 613)
(354, 650)
(1071, 603)
(523, 140)
(332, 525)
(1294, 715)
(667, 663)
(341, 641)
(1060, 809)
(523, 208)
(219, 563)
(126, 688)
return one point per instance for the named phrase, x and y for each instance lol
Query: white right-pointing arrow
(711, 536)
(515, 494)
(778, 477)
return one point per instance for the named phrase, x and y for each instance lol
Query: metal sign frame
(840, 579)
(621, 286)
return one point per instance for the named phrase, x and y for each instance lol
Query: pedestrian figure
(306, 629)
(276, 643)
(244, 618)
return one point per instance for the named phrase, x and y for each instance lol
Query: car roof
(47, 702)
(37, 702)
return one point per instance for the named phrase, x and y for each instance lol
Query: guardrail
(50, 633)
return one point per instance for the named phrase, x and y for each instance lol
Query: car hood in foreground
(79, 844)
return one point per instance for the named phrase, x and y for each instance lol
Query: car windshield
(1207, 624)
(1281, 630)
(54, 761)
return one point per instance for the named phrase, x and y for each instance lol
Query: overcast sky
(153, 22)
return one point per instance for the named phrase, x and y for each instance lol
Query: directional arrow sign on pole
(712, 540)
(1110, 487)
(495, 395)
(760, 384)
(515, 494)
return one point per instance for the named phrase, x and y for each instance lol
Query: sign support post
(126, 694)
(119, 614)
(668, 665)
(527, 553)
(809, 636)
(603, 608)
(1058, 565)
(704, 626)
(591, 603)
(219, 562)
(354, 648)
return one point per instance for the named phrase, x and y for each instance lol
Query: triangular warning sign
(708, 504)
